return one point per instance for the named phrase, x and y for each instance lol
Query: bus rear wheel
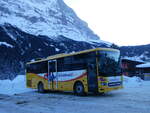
(79, 89)
(41, 87)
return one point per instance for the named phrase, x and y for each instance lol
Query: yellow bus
(89, 71)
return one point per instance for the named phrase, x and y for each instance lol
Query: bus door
(92, 78)
(52, 74)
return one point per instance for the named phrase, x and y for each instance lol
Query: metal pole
(56, 74)
(48, 76)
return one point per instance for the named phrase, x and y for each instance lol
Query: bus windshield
(109, 63)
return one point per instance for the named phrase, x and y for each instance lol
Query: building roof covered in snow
(146, 65)
(133, 59)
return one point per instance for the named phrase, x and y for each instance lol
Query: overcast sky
(123, 22)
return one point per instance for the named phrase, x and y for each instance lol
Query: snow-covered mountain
(45, 17)
(138, 53)
(32, 29)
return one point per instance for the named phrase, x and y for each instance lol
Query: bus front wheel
(41, 87)
(79, 89)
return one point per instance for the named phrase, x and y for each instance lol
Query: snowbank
(18, 85)
(132, 81)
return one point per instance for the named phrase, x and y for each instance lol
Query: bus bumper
(110, 87)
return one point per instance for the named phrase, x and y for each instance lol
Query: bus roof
(71, 54)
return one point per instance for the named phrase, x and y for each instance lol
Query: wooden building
(129, 67)
(144, 71)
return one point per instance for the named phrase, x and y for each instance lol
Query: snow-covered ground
(16, 98)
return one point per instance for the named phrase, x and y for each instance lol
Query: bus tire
(79, 89)
(40, 87)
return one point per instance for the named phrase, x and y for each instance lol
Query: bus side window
(37, 67)
(52, 67)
